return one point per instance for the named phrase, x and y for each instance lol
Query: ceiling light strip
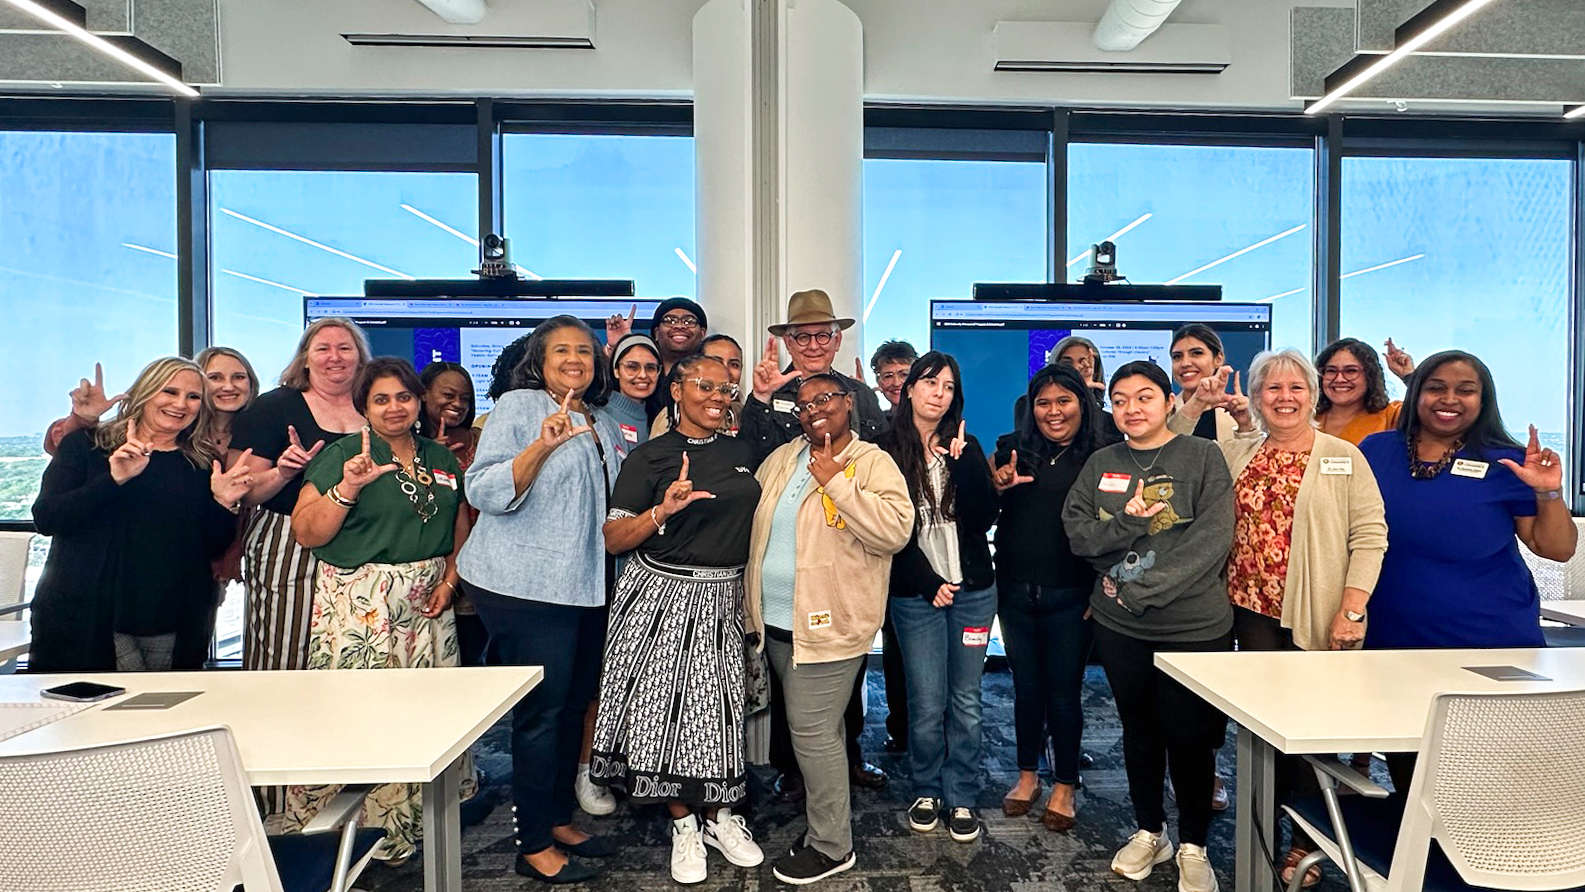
(55, 19)
(1431, 23)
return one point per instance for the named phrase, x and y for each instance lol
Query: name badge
(1463, 467)
(1114, 482)
(781, 406)
(1343, 466)
(629, 432)
(820, 619)
(445, 479)
(976, 636)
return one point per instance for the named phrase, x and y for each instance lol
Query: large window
(89, 225)
(601, 206)
(1236, 216)
(933, 228)
(276, 235)
(1466, 253)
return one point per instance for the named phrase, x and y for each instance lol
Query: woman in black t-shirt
(1043, 590)
(670, 725)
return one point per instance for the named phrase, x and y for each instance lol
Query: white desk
(15, 638)
(1337, 702)
(317, 727)
(1571, 612)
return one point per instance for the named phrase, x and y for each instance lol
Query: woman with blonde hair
(137, 507)
(285, 429)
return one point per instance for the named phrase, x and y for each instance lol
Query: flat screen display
(1001, 344)
(468, 331)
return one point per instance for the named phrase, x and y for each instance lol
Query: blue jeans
(943, 658)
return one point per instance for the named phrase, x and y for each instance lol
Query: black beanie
(679, 303)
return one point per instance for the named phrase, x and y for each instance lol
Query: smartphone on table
(82, 691)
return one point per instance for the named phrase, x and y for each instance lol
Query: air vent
(480, 41)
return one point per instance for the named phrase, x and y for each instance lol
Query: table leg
(443, 832)
(1255, 816)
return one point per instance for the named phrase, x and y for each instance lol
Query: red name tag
(1114, 482)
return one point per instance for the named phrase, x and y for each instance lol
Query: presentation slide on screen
(1000, 344)
(468, 331)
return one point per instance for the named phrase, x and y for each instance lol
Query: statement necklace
(1426, 470)
(411, 481)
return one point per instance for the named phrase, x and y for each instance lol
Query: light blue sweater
(545, 545)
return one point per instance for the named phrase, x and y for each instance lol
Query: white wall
(915, 50)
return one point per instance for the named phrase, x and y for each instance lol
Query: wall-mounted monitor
(469, 331)
(1001, 344)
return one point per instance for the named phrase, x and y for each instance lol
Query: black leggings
(1165, 726)
(1048, 643)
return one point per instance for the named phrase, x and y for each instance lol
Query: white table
(1337, 702)
(15, 638)
(1571, 612)
(320, 727)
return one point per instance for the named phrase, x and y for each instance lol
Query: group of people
(679, 555)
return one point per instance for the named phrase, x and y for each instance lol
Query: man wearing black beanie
(679, 326)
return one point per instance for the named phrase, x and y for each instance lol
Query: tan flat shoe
(1017, 808)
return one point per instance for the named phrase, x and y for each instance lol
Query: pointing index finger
(960, 429)
(1238, 388)
(99, 376)
(566, 400)
(365, 441)
(632, 314)
(684, 473)
(291, 437)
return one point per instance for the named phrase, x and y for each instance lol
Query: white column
(779, 154)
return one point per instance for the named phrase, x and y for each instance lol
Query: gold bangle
(335, 496)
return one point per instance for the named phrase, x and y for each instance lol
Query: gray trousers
(816, 695)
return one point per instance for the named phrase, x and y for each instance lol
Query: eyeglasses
(679, 321)
(632, 368)
(818, 402)
(1345, 371)
(803, 338)
(728, 392)
(890, 377)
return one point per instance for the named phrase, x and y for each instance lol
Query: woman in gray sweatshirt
(1154, 515)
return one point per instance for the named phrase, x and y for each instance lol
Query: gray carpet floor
(1013, 854)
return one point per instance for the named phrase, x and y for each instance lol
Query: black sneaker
(807, 865)
(963, 825)
(924, 814)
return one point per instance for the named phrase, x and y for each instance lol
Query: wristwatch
(1353, 617)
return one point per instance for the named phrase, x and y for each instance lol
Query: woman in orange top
(1353, 402)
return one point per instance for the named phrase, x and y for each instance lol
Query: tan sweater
(1339, 534)
(1178, 423)
(844, 555)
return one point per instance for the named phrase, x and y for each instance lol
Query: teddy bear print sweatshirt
(1159, 577)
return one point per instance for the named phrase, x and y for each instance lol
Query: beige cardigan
(845, 549)
(1339, 535)
(1178, 423)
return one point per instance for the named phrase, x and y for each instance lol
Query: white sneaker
(1194, 870)
(593, 799)
(687, 851)
(730, 834)
(1140, 855)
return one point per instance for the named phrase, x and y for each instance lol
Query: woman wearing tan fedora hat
(813, 335)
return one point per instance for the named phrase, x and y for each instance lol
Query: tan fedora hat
(809, 308)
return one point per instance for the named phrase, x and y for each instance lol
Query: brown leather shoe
(1057, 822)
(1014, 807)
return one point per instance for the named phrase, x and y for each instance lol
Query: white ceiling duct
(1126, 23)
(463, 12)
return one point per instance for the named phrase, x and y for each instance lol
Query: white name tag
(781, 405)
(1114, 483)
(629, 432)
(820, 619)
(976, 636)
(1463, 467)
(1343, 466)
(445, 479)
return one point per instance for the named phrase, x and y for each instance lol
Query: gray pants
(816, 695)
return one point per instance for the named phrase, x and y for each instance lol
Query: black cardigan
(975, 504)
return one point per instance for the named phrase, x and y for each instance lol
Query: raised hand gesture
(132, 457)
(89, 402)
(229, 485)
(680, 494)
(1542, 470)
(858, 371)
(295, 458)
(1136, 506)
(1006, 477)
(557, 428)
(823, 463)
(360, 470)
(954, 446)
(1211, 390)
(768, 376)
(1399, 362)
(617, 327)
(1237, 405)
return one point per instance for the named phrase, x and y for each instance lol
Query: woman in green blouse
(381, 515)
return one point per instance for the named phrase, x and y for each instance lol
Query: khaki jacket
(1339, 534)
(848, 531)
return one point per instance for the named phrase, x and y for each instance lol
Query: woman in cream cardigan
(832, 512)
(1309, 530)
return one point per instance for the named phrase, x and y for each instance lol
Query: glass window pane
(1235, 216)
(933, 228)
(1466, 253)
(276, 235)
(89, 275)
(587, 206)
